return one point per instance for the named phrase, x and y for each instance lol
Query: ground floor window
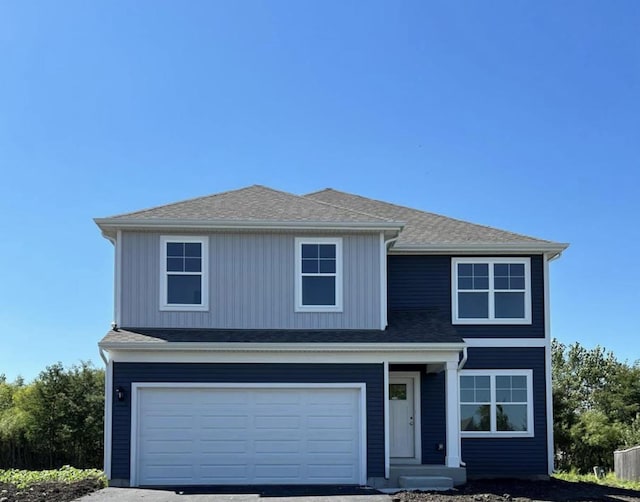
(496, 403)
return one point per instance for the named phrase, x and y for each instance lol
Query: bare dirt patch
(553, 490)
(49, 492)
(475, 491)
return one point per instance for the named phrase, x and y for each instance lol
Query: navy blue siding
(418, 282)
(126, 373)
(434, 418)
(510, 456)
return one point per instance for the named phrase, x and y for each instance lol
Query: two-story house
(262, 337)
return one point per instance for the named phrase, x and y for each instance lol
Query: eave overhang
(551, 250)
(279, 347)
(110, 226)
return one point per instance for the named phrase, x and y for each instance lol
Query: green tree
(55, 420)
(596, 401)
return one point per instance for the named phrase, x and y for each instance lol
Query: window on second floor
(491, 291)
(318, 271)
(183, 273)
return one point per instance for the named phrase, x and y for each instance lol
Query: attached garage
(225, 433)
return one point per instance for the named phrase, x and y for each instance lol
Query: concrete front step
(440, 483)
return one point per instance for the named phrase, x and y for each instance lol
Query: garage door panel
(282, 446)
(215, 472)
(280, 397)
(323, 473)
(224, 446)
(328, 422)
(266, 434)
(161, 474)
(267, 473)
(276, 422)
(159, 446)
(319, 434)
(249, 435)
(223, 398)
(334, 446)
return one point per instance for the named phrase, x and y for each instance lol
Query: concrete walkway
(235, 494)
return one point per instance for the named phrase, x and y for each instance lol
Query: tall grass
(609, 480)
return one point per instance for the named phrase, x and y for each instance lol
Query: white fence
(626, 464)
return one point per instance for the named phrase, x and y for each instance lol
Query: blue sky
(523, 115)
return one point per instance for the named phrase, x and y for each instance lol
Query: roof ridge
(428, 213)
(351, 210)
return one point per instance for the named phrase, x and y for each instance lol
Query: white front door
(402, 416)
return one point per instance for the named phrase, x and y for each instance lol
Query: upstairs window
(318, 273)
(183, 273)
(491, 291)
(496, 403)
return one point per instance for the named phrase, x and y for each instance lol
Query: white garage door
(247, 435)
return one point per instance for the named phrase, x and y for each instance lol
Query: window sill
(512, 322)
(319, 309)
(184, 308)
(496, 435)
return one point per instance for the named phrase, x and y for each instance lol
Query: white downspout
(108, 404)
(461, 364)
(387, 448)
(383, 279)
(463, 361)
(547, 363)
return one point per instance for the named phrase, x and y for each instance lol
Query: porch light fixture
(120, 393)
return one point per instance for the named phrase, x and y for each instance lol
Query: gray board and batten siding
(126, 373)
(251, 283)
(424, 282)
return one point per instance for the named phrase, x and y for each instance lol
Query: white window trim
(491, 319)
(299, 307)
(493, 433)
(204, 305)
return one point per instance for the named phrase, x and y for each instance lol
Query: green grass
(66, 474)
(609, 480)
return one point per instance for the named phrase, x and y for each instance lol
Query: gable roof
(253, 206)
(424, 230)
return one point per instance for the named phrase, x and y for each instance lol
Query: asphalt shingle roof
(253, 203)
(423, 228)
(261, 205)
(416, 326)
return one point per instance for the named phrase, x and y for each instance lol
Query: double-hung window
(183, 273)
(318, 270)
(496, 403)
(491, 291)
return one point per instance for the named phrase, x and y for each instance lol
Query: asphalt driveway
(239, 494)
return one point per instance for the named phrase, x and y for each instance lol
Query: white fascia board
(551, 249)
(211, 357)
(109, 225)
(506, 342)
(280, 347)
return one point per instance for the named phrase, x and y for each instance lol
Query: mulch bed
(553, 490)
(48, 492)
